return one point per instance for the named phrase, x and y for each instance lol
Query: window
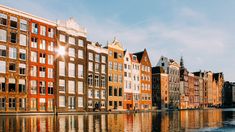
(91, 56)
(61, 101)
(33, 104)
(42, 71)
(50, 73)
(43, 45)
(110, 91)
(50, 104)
(50, 88)
(110, 103)
(62, 38)
(3, 35)
(71, 102)
(23, 40)
(110, 53)
(22, 54)
(90, 80)
(90, 93)
(71, 87)
(115, 55)
(97, 81)
(3, 19)
(50, 59)
(61, 68)
(3, 52)
(34, 56)
(115, 92)
(23, 25)
(34, 42)
(71, 52)
(90, 64)
(42, 103)
(115, 67)
(13, 22)
(11, 85)
(115, 78)
(80, 54)
(71, 40)
(42, 87)
(12, 103)
(103, 69)
(120, 91)
(80, 71)
(22, 69)
(34, 28)
(120, 78)
(51, 46)
(22, 103)
(97, 94)
(103, 94)
(120, 67)
(13, 37)
(33, 85)
(110, 77)
(97, 58)
(33, 71)
(2, 103)
(97, 68)
(42, 58)
(43, 30)
(61, 86)
(103, 82)
(12, 53)
(80, 102)
(50, 32)
(103, 59)
(80, 43)
(12, 66)
(2, 84)
(22, 87)
(80, 87)
(110, 65)
(120, 103)
(71, 70)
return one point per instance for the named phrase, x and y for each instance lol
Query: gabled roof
(216, 76)
(139, 55)
(115, 44)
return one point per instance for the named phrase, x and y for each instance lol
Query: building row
(48, 66)
(175, 87)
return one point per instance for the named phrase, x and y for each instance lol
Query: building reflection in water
(161, 121)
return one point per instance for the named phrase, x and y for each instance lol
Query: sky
(202, 31)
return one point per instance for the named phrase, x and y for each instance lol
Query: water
(188, 120)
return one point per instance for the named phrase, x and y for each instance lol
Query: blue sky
(202, 31)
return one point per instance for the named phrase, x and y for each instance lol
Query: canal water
(187, 120)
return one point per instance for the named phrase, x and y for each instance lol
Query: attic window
(134, 58)
(115, 55)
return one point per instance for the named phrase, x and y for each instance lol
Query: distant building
(160, 87)
(146, 79)
(172, 68)
(228, 94)
(115, 73)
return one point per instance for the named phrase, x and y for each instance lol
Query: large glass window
(71, 52)
(3, 19)
(12, 53)
(2, 84)
(34, 28)
(71, 87)
(50, 73)
(80, 54)
(61, 68)
(23, 39)
(80, 71)
(42, 87)
(23, 25)
(62, 38)
(80, 87)
(62, 86)
(22, 87)
(34, 56)
(13, 22)
(50, 88)
(61, 101)
(13, 37)
(3, 51)
(2, 67)
(33, 86)
(71, 70)
(22, 54)
(43, 30)
(3, 35)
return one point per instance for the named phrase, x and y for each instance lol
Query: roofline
(27, 15)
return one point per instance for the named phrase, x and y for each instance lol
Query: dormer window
(134, 58)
